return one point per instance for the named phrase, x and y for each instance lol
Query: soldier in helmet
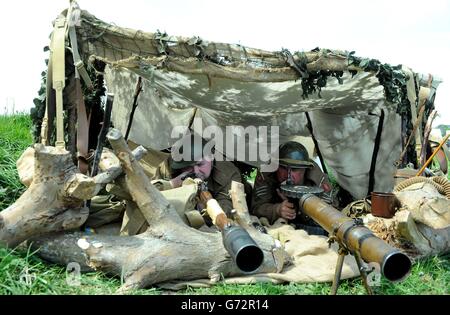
(296, 168)
(199, 164)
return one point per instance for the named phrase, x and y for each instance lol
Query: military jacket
(265, 199)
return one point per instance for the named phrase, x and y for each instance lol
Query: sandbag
(311, 261)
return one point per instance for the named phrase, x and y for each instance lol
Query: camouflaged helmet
(294, 155)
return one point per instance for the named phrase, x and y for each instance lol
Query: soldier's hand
(286, 210)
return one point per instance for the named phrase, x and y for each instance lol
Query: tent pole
(316, 144)
(135, 105)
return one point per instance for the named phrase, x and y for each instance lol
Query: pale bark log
(45, 206)
(237, 194)
(54, 200)
(25, 166)
(168, 250)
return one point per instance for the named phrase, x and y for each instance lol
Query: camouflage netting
(225, 84)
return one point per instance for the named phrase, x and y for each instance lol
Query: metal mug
(383, 204)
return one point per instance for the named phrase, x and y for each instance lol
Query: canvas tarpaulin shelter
(359, 110)
(226, 85)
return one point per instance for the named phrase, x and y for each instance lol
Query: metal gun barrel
(394, 264)
(247, 255)
(242, 248)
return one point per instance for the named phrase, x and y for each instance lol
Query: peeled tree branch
(168, 250)
(56, 192)
(49, 204)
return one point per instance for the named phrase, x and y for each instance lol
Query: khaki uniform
(219, 183)
(265, 199)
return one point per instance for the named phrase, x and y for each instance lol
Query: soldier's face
(202, 169)
(297, 175)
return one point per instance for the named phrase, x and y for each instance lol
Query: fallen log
(168, 250)
(47, 205)
(56, 193)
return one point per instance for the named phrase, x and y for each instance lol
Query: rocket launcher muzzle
(247, 255)
(242, 248)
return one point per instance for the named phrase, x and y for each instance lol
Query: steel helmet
(294, 155)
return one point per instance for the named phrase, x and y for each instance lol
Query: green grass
(428, 276)
(15, 137)
(44, 279)
(50, 279)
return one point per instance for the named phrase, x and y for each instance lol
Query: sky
(409, 32)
